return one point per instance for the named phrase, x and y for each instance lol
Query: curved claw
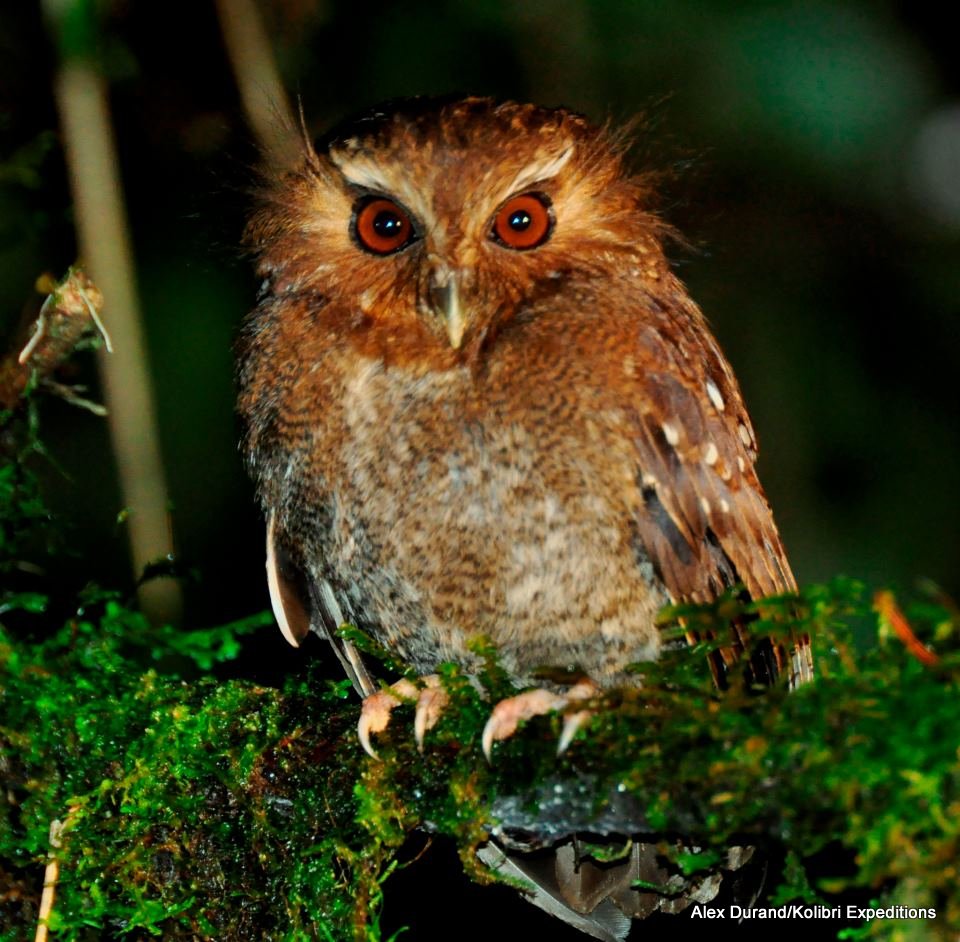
(376, 709)
(583, 690)
(508, 713)
(571, 725)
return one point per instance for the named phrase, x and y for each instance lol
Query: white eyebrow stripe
(360, 171)
(364, 172)
(541, 170)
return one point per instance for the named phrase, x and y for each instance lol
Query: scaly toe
(508, 713)
(430, 704)
(376, 709)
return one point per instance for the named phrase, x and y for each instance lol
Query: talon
(430, 703)
(376, 709)
(508, 713)
(571, 724)
(582, 690)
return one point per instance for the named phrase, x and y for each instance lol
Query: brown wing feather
(704, 517)
(301, 605)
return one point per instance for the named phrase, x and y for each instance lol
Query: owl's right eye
(381, 226)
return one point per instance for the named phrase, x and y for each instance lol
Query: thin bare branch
(51, 876)
(264, 98)
(105, 247)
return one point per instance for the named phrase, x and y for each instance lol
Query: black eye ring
(382, 226)
(523, 222)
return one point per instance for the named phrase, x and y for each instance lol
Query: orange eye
(523, 222)
(382, 227)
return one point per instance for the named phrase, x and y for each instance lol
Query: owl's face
(432, 229)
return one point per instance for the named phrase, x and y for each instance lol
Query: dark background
(815, 150)
(818, 156)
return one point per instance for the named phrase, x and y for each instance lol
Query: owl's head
(433, 221)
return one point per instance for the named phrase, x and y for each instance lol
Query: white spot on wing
(744, 434)
(715, 396)
(710, 453)
(705, 505)
(670, 433)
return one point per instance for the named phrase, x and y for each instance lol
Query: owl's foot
(508, 713)
(430, 700)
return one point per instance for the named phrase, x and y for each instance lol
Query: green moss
(199, 808)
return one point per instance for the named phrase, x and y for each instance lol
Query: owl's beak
(445, 301)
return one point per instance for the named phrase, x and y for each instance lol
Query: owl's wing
(300, 607)
(703, 519)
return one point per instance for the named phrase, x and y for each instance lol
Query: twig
(264, 99)
(105, 246)
(886, 606)
(50, 877)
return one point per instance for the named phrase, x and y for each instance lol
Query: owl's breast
(454, 513)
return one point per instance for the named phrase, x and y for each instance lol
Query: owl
(479, 403)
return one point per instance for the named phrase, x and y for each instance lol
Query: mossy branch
(181, 792)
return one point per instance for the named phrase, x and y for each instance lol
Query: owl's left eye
(381, 226)
(523, 222)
